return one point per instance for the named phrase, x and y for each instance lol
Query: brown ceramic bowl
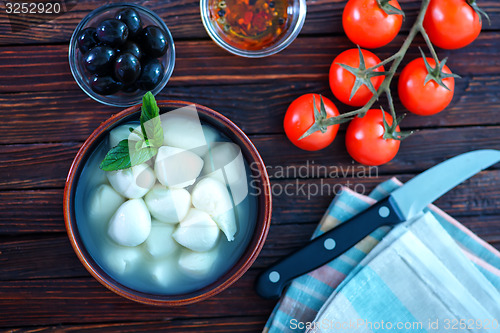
(236, 271)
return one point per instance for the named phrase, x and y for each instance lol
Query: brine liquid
(250, 24)
(96, 240)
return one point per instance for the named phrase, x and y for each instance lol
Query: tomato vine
(396, 60)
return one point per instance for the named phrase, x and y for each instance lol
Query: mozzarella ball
(120, 259)
(211, 136)
(160, 242)
(122, 132)
(221, 154)
(197, 264)
(134, 182)
(169, 205)
(212, 197)
(177, 167)
(164, 272)
(182, 128)
(225, 163)
(131, 224)
(197, 231)
(103, 203)
(227, 223)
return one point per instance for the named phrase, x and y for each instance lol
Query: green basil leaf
(117, 157)
(125, 156)
(142, 155)
(150, 120)
(139, 144)
(128, 154)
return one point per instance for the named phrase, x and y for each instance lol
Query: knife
(404, 203)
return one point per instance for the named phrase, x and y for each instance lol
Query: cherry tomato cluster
(425, 87)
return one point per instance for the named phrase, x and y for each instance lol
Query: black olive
(129, 88)
(127, 68)
(104, 85)
(271, 4)
(132, 48)
(132, 19)
(154, 42)
(87, 39)
(112, 32)
(151, 75)
(221, 12)
(100, 59)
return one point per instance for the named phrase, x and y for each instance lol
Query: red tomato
(342, 81)
(421, 99)
(300, 116)
(364, 139)
(368, 25)
(451, 24)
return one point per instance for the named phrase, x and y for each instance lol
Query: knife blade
(404, 203)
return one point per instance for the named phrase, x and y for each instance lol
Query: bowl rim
(273, 49)
(72, 54)
(246, 259)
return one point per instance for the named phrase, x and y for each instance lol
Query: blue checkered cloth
(431, 272)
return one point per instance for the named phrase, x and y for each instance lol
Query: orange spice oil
(250, 24)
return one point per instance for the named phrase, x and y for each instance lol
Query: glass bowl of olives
(120, 51)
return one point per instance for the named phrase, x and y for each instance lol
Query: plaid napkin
(431, 271)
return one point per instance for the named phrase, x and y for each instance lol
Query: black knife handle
(325, 248)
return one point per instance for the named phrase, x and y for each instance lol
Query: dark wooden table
(45, 117)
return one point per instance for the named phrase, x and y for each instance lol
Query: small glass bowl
(82, 77)
(296, 12)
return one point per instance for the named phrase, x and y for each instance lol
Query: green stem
(429, 44)
(384, 62)
(352, 113)
(396, 61)
(398, 57)
(391, 103)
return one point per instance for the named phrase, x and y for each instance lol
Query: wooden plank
(27, 212)
(417, 153)
(31, 211)
(249, 324)
(183, 19)
(46, 116)
(59, 299)
(39, 258)
(45, 68)
(484, 227)
(35, 166)
(84, 300)
(306, 200)
(52, 257)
